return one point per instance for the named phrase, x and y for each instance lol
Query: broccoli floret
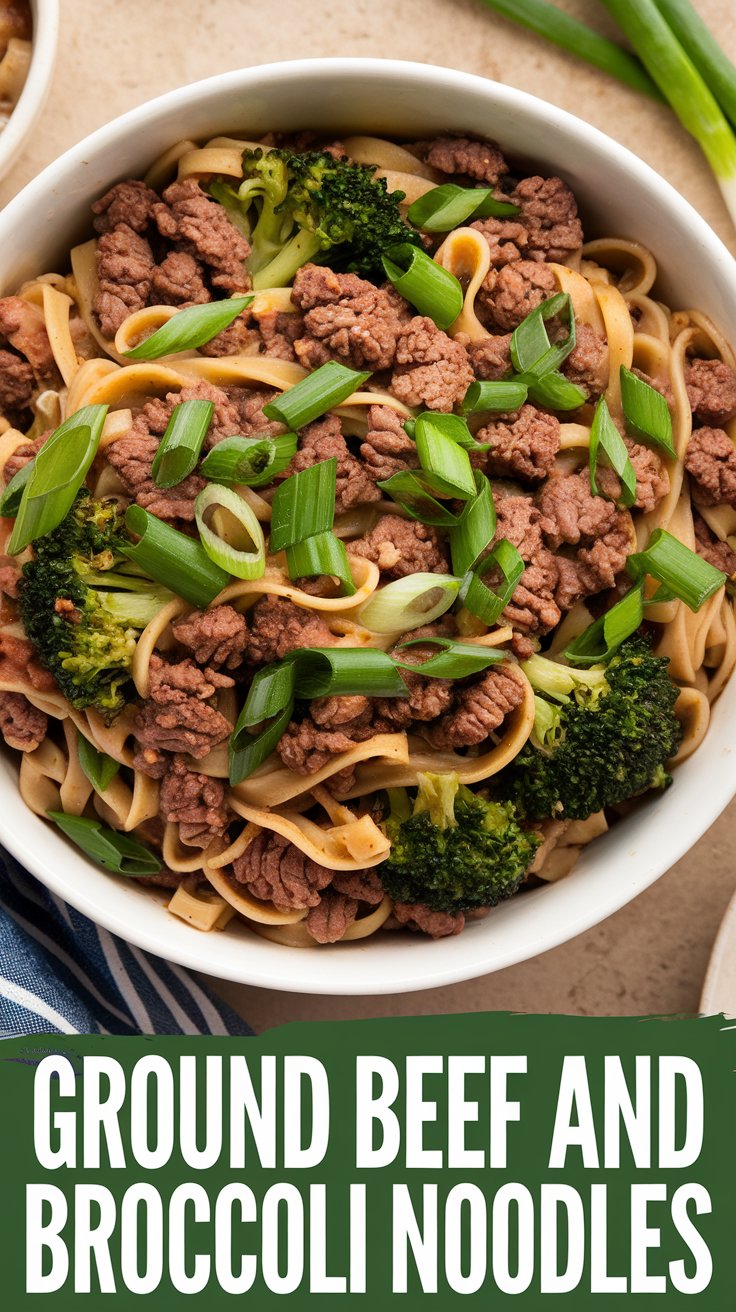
(82, 616)
(600, 736)
(315, 207)
(456, 851)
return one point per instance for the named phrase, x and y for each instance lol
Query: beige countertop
(113, 54)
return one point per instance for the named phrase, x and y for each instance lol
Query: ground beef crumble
(177, 715)
(432, 370)
(323, 440)
(718, 553)
(710, 460)
(21, 724)
(276, 626)
(346, 319)
(216, 637)
(195, 802)
(387, 448)
(711, 389)
(402, 546)
(273, 870)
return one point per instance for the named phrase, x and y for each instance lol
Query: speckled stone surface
(651, 957)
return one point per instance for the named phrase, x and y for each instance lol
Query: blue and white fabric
(62, 974)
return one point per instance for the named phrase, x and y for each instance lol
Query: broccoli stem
(562, 681)
(280, 271)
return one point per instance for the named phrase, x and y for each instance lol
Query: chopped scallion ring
(481, 600)
(99, 768)
(508, 394)
(681, 572)
(111, 850)
(303, 505)
(602, 638)
(556, 392)
(407, 603)
(173, 558)
(249, 461)
(233, 521)
(410, 491)
(475, 528)
(446, 465)
(532, 353)
(448, 206)
(319, 392)
(179, 448)
(605, 437)
(432, 290)
(456, 661)
(646, 412)
(322, 555)
(56, 475)
(190, 328)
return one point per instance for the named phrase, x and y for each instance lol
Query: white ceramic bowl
(618, 194)
(35, 90)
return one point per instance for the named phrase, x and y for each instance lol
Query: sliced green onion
(456, 661)
(111, 850)
(57, 473)
(422, 282)
(556, 392)
(447, 207)
(446, 464)
(410, 492)
(99, 768)
(12, 494)
(250, 461)
(605, 437)
(320, 556)
(190, 328)
(710, 60)
(601, 638)
(562, 30)
(481, 600)
(646, 412)
(235, 521)
(173, 558)
(319, 392)
(681, 83)
(344, 671)
(179, 448)
(406, 603)
(508, 394)
(475, 528)
(303, 505)
(531, 350)
(682, 573)
(269, 705)
(452, 426)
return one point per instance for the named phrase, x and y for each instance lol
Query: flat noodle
(56, 308)
(387, 155)
(200, 906)
(635, 265)
(273, 785)
(466, 254)
(620, 336)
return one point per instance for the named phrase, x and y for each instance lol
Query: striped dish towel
(61, 974)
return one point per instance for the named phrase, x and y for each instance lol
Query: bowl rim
(190, 951)
(37, 85)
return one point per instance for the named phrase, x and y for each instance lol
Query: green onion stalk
(679, 80)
